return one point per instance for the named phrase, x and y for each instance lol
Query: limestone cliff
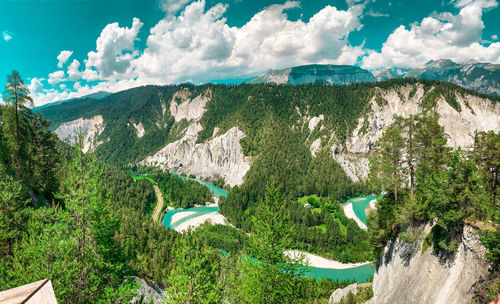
(476, 114)
(221, 156)
(406, 275)
(91, 128)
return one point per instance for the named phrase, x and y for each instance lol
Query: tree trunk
(19, 165)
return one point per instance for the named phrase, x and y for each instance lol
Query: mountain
(315, 73)
(481, 77)
(215, 131)
(96, 95)
(306, 139)
(389, 73)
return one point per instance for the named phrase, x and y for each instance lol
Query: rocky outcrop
(182, 107)
(479, 76)
(316, 73)
(221, 156)
(477, 114)
(91, 128)
(148, 292)
(338, 294)
(139, 130)
(406, 275)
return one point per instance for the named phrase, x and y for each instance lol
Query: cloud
(114, 50)
(173, 6)
(35, 86)
(74, 73)
(63, 57)
(201, 46)
(376, 14)
(198, 45)
(56, 77)
(7, 36)
(456, 37)
(494, 37)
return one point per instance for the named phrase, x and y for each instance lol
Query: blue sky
(75, 47)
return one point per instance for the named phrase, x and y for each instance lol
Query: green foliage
(491, 240)
(427, 241)
(222, 237)
(195, 273)
(452, 188)
(272, 276)
(181, 193)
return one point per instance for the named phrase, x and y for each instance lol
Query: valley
(257, 181)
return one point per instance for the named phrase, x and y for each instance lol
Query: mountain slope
(315, 73)
(221, 130)
(481, 77)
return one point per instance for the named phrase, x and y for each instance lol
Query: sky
(71, 48)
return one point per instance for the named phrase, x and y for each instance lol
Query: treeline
(87, 227)
(327, 231)
(285, 160)
(181, 193)
(426, 180)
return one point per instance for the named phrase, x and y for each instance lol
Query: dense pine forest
(86, 225)
(82, 221)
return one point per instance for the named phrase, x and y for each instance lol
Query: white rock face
(148, 292)
(315, 146)
(338, 294)
(458, 126)
(140, 129)
(90, 128)
(313, 122)
(190, 109)
(407, 276)
(222, 156)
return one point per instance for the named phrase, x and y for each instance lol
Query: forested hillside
(427, 182)
(86, 225)
(291, 135)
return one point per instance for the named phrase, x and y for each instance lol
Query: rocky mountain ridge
(479, 76)
(179, 127)
(316, 73)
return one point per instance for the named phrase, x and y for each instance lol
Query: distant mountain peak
(316, 73)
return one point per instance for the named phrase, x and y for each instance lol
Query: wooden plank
(36, 292)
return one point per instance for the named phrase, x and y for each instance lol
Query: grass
(139, 177)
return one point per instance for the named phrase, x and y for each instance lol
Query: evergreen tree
(268, 275)
(387, 166)
(486, 154)
(17, 94)
(194, 277)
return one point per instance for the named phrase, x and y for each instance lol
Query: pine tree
(268, 275)
(486, 154)
(387, 166)
(194, 277)
(17, 94)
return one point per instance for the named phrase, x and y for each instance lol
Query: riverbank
(349, 212)
(321, 262)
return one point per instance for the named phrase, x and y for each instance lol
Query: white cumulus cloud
(456, 37)
(35, 86)
(199, 45)
(173, 6)
(74, 73)
(114, 50)
(63, 57)
(56, 77)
